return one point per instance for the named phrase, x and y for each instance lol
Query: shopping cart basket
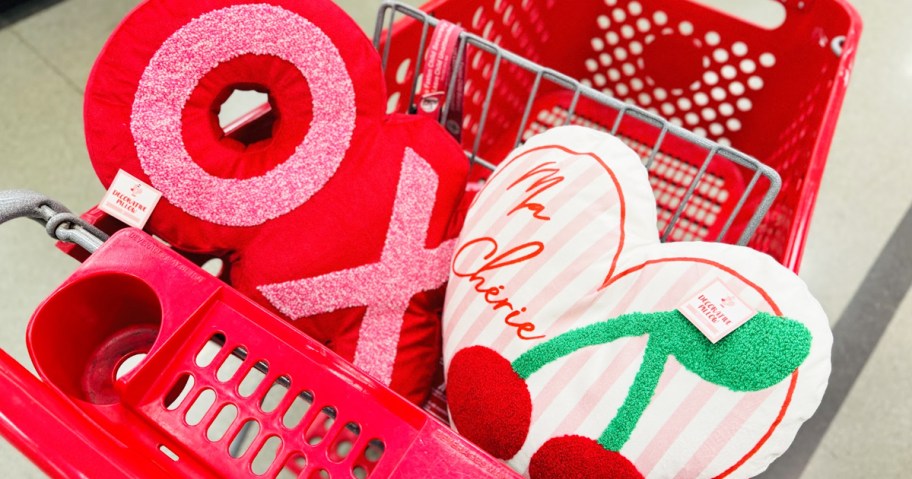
(153, 368)
(771, 92)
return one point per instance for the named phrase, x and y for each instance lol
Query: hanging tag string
(439, 62)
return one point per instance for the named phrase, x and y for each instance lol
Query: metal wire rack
(691, 175)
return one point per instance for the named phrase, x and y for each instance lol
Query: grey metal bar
(618, 120)
(579, 90)
(486, 106)
(378, 25)
(657, 147)
(765, 204)
(572, 110)
(419, 61)
(389, 40)
(687, 196)
(484, 163)
(528, 110)
(734, 214)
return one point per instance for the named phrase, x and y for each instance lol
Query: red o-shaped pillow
(335, 216)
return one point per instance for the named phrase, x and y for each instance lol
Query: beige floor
(45, 59)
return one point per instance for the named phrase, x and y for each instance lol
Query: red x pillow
(336, 218)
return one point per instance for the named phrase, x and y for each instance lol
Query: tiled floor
(45, 59)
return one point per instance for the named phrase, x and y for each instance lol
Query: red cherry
(577, 457)
(489, 403)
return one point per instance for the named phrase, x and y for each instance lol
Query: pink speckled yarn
(405, 268)
(198, 47)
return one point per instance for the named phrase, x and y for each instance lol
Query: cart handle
(60, 223)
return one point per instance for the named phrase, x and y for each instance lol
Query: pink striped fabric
(691, 428)
(530, 231)
(680, 419)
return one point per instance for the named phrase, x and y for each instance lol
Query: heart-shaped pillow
(565, 350)
(331, 213)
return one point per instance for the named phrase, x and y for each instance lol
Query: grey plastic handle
(60, 223)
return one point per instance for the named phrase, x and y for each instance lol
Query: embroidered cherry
(579, 457)
(485, 390)
(759, 354)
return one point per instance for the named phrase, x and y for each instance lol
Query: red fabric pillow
(337, 218)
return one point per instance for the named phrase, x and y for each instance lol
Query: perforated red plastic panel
(773, 93)
(175, 374)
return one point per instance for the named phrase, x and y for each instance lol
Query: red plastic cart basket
(223, 388)
(152, 367)
(774, 94)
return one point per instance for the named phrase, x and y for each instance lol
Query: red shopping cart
(150, 367)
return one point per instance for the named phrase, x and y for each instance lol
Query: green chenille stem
(628, 325)
(759, 354)
(638, 398)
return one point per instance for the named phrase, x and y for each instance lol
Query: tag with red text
(130, 200)
(716, 311)
(442, 64)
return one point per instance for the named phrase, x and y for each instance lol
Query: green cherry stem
(638, 398)
(633, 324)
(759, 354)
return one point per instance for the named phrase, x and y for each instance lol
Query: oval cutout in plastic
(178, 392)
(244, 438)
(222, 423)
(298, 409)
(320, 426)
(344, 442)
(210, 350)
(374, 450)
(294, 466)
(232, 363)
(200, 407)
(266, 456)
(253, 379)
(128, 364)
(276, 393)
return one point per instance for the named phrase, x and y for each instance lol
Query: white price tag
(716, 311)
(130, 200)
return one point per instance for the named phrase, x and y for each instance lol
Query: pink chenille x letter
(386, 287)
